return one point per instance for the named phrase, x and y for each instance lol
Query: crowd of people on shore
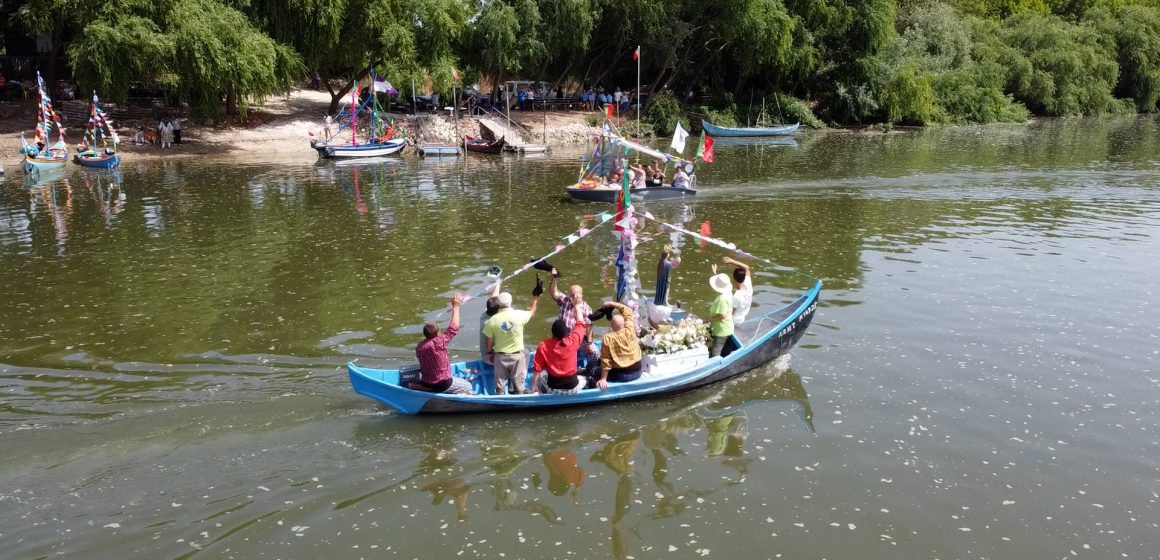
(569, 361)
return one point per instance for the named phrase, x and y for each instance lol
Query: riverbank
(282, 130)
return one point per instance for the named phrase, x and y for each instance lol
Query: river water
(980, 381)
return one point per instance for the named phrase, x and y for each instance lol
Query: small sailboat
(99, 147)
(40, 156)
(381, 140)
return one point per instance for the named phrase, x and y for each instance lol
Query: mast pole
(638, 89)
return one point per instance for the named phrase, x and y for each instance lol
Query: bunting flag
(679, 137)
(608, 111)
(636, 53)
(454, 74)
(623, 201)
(381, 85)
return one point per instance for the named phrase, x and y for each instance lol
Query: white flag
(679, 137)
(381, 84)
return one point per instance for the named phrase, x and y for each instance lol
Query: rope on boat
(726, 245)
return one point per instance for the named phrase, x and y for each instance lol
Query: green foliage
(720, 117)
(1061, 68)
(663, 113)
(108, 57)
(594, 119)
(1136, 30)
(974, 94)
(908, 97)
(853, 102)
(795, 110)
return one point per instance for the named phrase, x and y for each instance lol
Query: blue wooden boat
(761, 340)
(37, 164)
(376, 149)
(97, 161)
(728, 132)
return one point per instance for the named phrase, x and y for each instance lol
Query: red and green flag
(705, 150)
(623, 201)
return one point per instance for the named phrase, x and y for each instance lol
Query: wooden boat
(374, 149)
(381, 132)
(728, 132)
(438, 150)
(761, 340)
(481, 146)
(610, 193)
(37, 160)
(98, 161)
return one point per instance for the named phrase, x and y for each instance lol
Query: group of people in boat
(648, 175)
(569, 361)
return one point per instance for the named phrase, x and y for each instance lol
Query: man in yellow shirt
(620, 351)
(505, 342)
(721, 316)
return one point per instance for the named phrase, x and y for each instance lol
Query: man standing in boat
(505, 342)
(743, 294)
(568, 304)
(620, 349)
(721, 315)
(434, 365)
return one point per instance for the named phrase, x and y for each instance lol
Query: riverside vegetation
(814, 61)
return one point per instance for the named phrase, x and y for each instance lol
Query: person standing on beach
(177, 130)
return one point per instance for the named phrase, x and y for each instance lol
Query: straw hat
(721, 284)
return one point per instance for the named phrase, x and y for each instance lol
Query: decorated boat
(99, 146)
(379, 136)
(481, 146)
(604, 175)
(730, 132)
(40, 156)
(428, 150)
(673, 367)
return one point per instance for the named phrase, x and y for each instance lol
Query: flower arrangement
(690, 333)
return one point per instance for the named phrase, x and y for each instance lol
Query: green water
(980, 381)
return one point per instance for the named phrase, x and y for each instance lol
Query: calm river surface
(981, 380)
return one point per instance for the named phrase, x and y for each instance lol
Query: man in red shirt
(434, 365)
(557, 356)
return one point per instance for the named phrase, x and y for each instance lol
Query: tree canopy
(912, 61)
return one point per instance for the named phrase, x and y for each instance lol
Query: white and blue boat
(375, 149)
(729, 132)
(761, 340)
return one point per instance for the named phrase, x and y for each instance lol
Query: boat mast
(354, 114)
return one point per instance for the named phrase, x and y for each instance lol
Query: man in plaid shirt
(568, 304)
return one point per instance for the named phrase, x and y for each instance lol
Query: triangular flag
(701, 146)
(608, 111)
(707, 153)
(455, 74)
(679, 137)
(636, 54)
(381, 85)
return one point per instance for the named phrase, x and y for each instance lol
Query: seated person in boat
(721, 316)
(681, 179)
(434, 364)
(616, 176)
(557, 356)
(620, 359)
(638, 175)
(657, 174)
(505, 342)
(570, 303)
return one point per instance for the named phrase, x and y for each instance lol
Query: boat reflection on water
(545, 465)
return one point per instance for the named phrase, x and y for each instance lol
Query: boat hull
(380, 149)
(728, 132)
(439, 150)
(610, 195)
(36, 164)
(104, 161)
(483, 148)
(766, 338)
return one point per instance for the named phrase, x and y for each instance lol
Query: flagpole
(638, 89)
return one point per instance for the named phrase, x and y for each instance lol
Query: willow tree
(200, 51)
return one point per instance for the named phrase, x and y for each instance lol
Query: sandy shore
(284, 134)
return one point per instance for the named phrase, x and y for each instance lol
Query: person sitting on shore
(558, 356)
(434, 364)
(139, 136)
(620, 358)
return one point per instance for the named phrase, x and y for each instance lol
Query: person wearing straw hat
(721, 315)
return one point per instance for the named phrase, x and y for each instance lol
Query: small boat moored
(438, 150)
(729, 132)
(481, 146)
(40, 156)
(97, 161)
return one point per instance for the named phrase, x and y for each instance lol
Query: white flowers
(691, 332)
